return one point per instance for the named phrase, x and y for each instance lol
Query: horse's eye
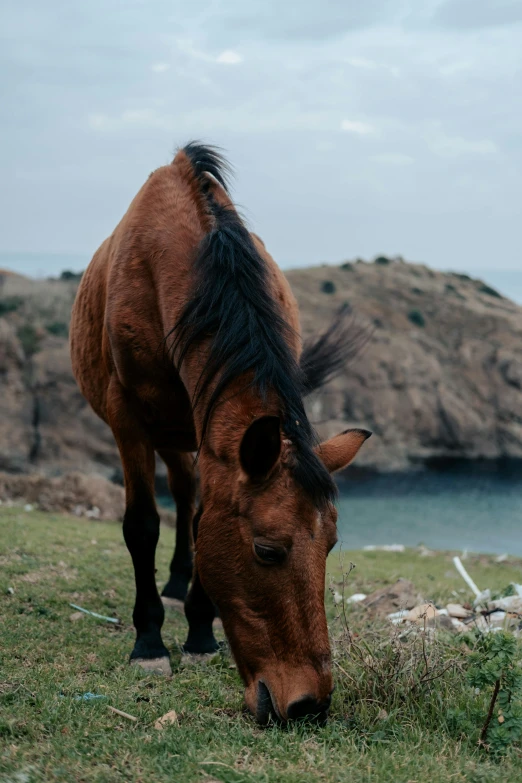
(269, 554)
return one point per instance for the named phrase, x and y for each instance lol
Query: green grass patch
(388, 721)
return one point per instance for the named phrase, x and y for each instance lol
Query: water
(468, 506)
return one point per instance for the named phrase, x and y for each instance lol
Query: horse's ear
(340, 450)
(261, 447)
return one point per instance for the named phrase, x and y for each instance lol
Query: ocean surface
(473, 506)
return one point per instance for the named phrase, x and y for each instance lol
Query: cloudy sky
(356, 128)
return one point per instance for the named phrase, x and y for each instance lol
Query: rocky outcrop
(45, 424)
(440, 376)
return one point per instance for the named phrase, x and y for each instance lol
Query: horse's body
(185, 335)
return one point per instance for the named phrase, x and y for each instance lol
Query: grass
(380, 729)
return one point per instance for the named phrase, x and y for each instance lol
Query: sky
(355, 128)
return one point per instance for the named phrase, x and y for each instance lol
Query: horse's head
(261, 555)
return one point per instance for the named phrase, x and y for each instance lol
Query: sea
(465, 506)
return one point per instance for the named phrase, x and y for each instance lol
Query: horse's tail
(326, 356)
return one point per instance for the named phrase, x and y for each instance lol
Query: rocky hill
(440, 377)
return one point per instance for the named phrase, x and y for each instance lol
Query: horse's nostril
(264, 703)
(309, 707)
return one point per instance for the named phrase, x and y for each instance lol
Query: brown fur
(130, 297)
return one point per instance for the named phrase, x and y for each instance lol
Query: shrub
(29, 338)
(494, 668)
(347, 266)
(328, 287)
(382, 260)
(68, 274)
(417, 291)
(10, 304)
(416, 317)
(58, 328)
(461, 276)
(486, 289)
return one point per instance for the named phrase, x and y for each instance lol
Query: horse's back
(138, 283)
(135, 287)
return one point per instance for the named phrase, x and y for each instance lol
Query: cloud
(362, 62)
(470, 14)
(229, 57)
(310, 20)
(456, 146)
(355, 126)
(95, 96)
(393, 159)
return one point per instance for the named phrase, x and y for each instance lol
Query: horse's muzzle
(305, 707)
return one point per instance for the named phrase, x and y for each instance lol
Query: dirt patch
(76, 493)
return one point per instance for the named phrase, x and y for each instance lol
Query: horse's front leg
(141, 532)
(200, 613)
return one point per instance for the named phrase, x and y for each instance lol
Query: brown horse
(185, 336)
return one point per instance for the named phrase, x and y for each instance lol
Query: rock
(356, 598)
(450, 388)
(421, 612)
(168, 719)
(75, 616)
(512, 604)
(458, 624)
(385, 548)
(441, 621)
(402, 595)
(458, 611)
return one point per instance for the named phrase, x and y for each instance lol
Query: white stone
(458, 611)
(355, 598)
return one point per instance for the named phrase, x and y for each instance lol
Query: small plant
(58, 328)
(29, 338)
(328, 287)
(416, 317)
(486, 289)
(461, 276)
(382, 260)
(494, 666)
(348, 266)
(68, 274)
(417, 291)
(10, 304)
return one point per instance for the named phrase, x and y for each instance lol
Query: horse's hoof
(173, 603)
(154, 665)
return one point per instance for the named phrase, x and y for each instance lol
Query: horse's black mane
(231, 305)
